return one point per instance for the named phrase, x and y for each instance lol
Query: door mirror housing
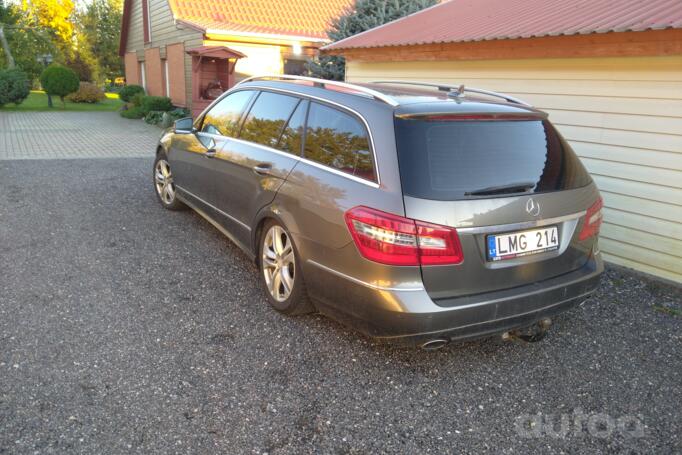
(184, 126)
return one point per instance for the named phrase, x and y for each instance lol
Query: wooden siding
(623, 117)
(164, 32)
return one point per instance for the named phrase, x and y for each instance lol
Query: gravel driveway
(125, 328)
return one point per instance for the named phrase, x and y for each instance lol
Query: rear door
(512, 187)
(249, 168)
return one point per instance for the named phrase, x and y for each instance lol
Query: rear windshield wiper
(522, 187)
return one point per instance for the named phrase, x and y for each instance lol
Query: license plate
(517, 244)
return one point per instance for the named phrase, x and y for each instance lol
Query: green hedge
(132, 113)
(13, 86)
(156, 103)
(129, 91)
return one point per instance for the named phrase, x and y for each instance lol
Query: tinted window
(449, 160)
(264, 123)
(338, 140)
(223, 118)
(293, 132)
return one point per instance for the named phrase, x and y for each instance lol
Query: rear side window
(338, 140)
(224, 117)
(461, 159)
(267, 117)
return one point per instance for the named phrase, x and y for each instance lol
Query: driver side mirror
(184, 126)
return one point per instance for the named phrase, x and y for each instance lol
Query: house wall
(623, 117)
(164, 32)
(260, 58)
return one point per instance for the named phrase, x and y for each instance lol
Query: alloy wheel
(163, 180)
(278, 263)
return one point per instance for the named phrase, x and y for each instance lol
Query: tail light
(395, 240)
(593, 220)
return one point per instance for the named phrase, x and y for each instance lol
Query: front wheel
(164, 184)
(281, 272)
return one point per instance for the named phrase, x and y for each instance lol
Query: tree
(365, 15)
(58, 80)
(54, 16)
(98, 33)
(25, 41)
(6, 16)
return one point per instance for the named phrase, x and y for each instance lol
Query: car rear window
(461, 159)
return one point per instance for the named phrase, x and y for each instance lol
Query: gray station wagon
(406, 210)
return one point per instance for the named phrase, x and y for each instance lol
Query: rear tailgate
(487, 176)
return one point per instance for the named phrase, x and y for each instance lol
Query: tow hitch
(530, 334)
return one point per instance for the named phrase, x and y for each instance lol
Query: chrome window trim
(363, 283)
(297, 158)
(245, 226)
(519, 226)
(374, 184)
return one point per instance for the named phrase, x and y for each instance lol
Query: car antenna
(457, 93)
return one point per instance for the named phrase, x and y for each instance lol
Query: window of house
(295, 67)
(292, 137)
(166, 76)
(143, 76)
(267, 117)
(338, 140)
(224, 118)
(146, 24)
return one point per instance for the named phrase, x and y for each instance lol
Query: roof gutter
(221, 32)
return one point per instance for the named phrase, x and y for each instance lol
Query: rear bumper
(412, 314)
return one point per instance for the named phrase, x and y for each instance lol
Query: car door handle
(210, 153)
(262, 168)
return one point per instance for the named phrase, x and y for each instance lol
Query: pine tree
(365, 15)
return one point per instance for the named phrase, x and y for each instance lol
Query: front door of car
(193, 161)
(253, 166)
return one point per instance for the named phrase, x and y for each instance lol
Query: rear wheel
(164, 184)
(281, 272)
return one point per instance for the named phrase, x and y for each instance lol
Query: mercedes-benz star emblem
(532, 207)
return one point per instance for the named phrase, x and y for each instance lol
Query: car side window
(267, 117)
(338, 140)
(224, 117)
(292, 136)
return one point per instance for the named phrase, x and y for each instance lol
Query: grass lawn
(37, 101)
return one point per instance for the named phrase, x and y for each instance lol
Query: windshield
(463, 159)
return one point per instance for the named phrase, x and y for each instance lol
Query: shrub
(156, 103)
(136, 100)
(132, 113)
(170, 117)
(87, 93)
(129, 91)
(154, 117)
(59, 81)
(13, 86)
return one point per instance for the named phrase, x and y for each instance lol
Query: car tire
(164, 187)
(280, 271)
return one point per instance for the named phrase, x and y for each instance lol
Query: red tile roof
(300, 18)
(478, 20)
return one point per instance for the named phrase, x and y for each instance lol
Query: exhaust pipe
(532, 334)
(435, 344)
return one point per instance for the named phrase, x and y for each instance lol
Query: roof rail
(457, 90)
(323, 83)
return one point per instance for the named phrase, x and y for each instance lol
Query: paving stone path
(64, 135)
